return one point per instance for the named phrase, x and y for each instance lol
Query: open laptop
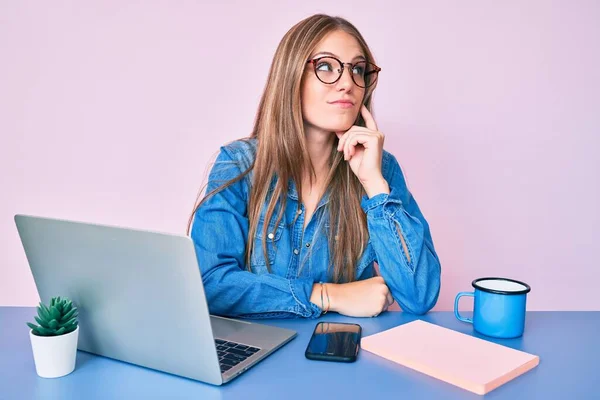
(141, 299)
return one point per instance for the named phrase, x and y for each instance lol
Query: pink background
(110, 112)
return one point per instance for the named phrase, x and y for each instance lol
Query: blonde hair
(282, 150)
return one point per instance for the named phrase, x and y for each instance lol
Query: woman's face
(332, 107)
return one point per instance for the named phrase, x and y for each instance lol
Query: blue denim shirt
(299, 259)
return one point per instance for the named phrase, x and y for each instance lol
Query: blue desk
(567, 343)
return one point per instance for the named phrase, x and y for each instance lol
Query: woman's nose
(345, 80)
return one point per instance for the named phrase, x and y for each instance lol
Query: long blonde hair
(282, 151)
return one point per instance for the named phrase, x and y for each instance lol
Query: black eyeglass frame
(375, 70)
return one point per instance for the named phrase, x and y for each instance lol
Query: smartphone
(334, 341)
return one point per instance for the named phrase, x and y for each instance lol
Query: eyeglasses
(329, 70)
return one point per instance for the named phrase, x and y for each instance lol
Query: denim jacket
(299, 259)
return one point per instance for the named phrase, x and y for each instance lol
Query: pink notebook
(465, 361)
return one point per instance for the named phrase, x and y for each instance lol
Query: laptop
(141, 299)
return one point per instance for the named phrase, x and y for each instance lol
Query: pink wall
(110, 112)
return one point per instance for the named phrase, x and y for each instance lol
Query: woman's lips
(342, 104)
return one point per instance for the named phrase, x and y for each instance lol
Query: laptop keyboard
(232, 353)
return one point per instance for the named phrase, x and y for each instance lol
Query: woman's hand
(366, 298)
(363, 149)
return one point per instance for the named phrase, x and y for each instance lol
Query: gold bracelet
(321, 297)
(328, 302)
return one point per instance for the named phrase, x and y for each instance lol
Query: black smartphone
(334, 341)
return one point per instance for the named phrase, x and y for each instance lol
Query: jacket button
(270, 235)
(296, 251)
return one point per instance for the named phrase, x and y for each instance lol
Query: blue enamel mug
(499, 307)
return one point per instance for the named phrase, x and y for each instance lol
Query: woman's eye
(358, 70)
(324, 66)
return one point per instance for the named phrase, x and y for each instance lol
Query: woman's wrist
(315, 296)
(376, 187)
(333, 290)
(323, 296)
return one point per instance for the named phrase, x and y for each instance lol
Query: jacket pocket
(257, 260)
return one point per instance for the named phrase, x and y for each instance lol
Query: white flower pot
(54, 356)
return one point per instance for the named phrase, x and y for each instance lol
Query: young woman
(295, 216)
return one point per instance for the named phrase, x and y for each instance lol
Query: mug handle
(456, 314)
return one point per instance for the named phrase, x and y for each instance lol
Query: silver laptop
(141, 300)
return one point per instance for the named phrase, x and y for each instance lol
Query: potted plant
(54, 340)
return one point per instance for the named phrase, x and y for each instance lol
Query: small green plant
(57, 319)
